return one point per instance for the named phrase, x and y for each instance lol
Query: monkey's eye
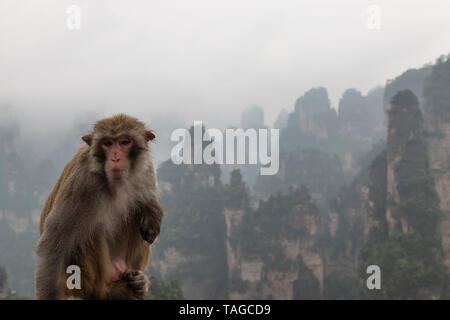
(124, 142)
(107, 143)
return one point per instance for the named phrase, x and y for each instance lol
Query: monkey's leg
(93, 275)
(133, 285)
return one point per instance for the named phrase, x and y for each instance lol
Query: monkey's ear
(87, 138)
(149, 135)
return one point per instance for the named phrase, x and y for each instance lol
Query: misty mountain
(355, 187)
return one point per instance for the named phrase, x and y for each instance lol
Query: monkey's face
(117, 152)
(116, 146)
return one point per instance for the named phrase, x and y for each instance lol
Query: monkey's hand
(137, 282)
(151, 221)
(149, 234)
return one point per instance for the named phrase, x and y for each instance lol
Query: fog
(339, 192)
(201, 60)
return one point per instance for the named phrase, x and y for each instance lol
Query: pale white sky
(204, 59)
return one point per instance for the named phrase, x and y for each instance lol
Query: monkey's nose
(115, 158)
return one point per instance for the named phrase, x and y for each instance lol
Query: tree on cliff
(406, 244)
(436, 89)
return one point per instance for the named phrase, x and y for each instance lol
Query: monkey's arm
(66, 227)
(56, 227)
(151, 214)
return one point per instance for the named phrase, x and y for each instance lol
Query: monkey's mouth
(116, 173)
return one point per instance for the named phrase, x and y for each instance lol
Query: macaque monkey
(102, 215)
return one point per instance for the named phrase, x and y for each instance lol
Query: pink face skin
(116, 151)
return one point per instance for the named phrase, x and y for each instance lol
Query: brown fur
(90, 222)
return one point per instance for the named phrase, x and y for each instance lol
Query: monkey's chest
(117, 228)
(117, 255)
